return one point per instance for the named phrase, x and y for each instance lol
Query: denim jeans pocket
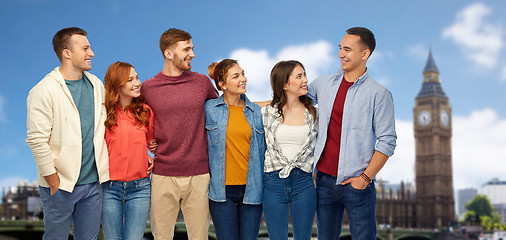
(270, 175)
(55, 193)
(144, 183)
(322, 178)
(356, 190)
(60, 201)
(141, 189)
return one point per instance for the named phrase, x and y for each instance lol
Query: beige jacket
(54, 130)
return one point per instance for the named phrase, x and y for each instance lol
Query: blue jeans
(126, 208)
(82, 207)
(234, 219)
(297, 193)
(360, 205)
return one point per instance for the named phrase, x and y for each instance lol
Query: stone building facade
(21, 202)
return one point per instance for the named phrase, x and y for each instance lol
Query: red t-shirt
(329, 160)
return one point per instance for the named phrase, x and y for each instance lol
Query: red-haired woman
(129, 128)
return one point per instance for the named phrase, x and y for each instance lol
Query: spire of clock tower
(430, 66)
(433, 165)
(431, 86)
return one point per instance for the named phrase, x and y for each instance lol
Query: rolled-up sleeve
(384, 123)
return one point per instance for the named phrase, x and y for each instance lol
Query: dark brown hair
(218, 71)
(62, 37)
(171, 37)
(279, 78)
(117, 74)
(366, 36)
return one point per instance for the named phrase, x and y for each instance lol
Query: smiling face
(353, 53)
(235, 81)
(80, 53)
(131, 88)
(182, 55)
(297, 82)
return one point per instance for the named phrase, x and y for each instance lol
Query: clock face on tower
(444, 117)
(424, 118)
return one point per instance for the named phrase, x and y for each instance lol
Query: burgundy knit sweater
(178, 104)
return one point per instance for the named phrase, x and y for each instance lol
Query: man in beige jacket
(65, 129)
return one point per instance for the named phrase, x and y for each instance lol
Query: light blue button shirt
(216, 126)
(368, 123)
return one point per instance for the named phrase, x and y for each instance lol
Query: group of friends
(219, 155)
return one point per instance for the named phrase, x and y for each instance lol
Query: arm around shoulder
(312, 93)
(263, 104)
(212, 92)
(151, 128)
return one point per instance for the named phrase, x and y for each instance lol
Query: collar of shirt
(248, 103)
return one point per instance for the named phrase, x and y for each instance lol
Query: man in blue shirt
(356, 137)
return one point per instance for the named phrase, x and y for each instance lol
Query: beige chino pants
(166, 193)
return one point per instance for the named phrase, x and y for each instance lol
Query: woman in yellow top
(236, 143)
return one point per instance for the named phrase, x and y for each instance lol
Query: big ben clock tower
(433, 165)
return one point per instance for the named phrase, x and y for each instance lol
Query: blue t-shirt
(82, 94)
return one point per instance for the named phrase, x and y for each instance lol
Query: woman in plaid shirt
(290, 126)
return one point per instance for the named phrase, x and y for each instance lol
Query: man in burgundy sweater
(181, 170)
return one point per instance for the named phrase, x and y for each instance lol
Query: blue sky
(467, 39)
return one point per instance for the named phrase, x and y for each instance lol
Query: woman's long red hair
(117, 74)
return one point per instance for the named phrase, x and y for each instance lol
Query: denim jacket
(216, 126)
(368, 123)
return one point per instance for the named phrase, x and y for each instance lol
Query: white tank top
(291, 139)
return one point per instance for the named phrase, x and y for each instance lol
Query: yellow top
(237, 148)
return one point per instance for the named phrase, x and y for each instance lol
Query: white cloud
(478, 150)
(317, 58)
(257, 65)
(480, 40)
(400, 167)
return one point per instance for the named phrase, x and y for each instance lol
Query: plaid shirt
(274, 159)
